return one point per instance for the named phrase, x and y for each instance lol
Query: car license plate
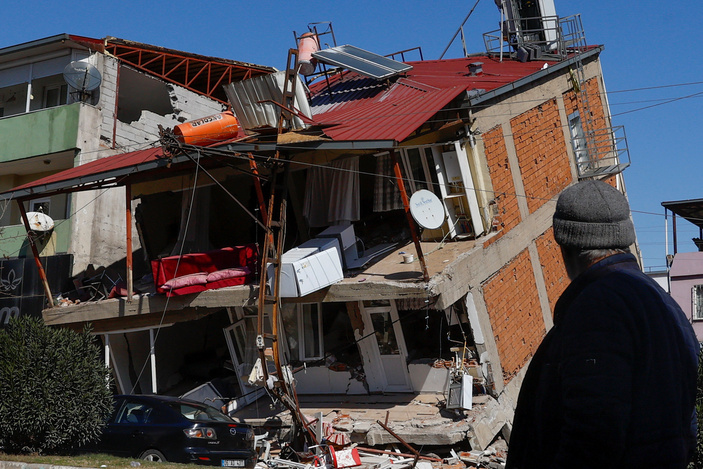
(233, 462)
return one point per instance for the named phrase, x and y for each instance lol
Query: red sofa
(205, 270)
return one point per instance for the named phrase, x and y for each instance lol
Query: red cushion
(224, 274)
(164, 269)
(230, 265)
(186, 290)
(199, 278)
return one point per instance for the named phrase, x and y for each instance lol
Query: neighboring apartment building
(686, 268)
(47, 125)
(493, 137)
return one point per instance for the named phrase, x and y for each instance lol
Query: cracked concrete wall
(98, 227)
(185, 105)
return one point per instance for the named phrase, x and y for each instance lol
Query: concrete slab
(419, 419)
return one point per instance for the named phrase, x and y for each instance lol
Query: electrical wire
(666, 101)
(152, 349)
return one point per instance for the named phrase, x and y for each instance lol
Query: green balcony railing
(40, 132)
(13, 240)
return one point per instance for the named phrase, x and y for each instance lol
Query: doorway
(383, 347)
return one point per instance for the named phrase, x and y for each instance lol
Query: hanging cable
(152, 349)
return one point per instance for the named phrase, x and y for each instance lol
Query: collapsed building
(382, 225)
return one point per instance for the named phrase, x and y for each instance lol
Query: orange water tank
(208, 130)
(306, 46)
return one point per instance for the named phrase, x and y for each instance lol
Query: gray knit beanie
(593, 215)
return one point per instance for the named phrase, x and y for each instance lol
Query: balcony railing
(534, 38)
(41, 132)
(605, 152)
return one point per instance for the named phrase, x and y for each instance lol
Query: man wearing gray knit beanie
(613, 383)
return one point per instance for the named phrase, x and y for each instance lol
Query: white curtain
(332, 193)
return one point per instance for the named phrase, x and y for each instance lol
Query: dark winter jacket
(613, 384)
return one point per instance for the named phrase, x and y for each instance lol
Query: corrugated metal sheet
(356, 110)
(391, 119)
(247, 96)
(351, 92)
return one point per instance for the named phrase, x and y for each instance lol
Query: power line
(659, 104)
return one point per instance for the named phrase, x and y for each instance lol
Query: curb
(24, 465)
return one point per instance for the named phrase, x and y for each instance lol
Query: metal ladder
(272, 251)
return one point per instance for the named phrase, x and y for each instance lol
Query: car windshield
(200, 413)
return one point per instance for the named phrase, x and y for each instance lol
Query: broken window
(697, 299)
(140, 92)
(385, 334)
(339, 344)
(320, 331)
(429, 335)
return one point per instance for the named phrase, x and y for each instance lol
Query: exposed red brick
(595, 119)
(515, 313)
(541, 150)
(553, 270)
(508, 213)
(611, 180)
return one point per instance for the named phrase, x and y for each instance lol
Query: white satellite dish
(82, 76)
(427, 209)
(39, 221)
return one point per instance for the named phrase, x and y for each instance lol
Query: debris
(492, 458)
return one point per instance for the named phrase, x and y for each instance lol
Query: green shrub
(53, 388)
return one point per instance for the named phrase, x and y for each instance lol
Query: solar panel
(362, 61)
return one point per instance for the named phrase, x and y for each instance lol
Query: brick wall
(593, 121)
(573, 102)
(541, 151)
(514, 310)
(508, 213)
(553, 270)
(612, 180)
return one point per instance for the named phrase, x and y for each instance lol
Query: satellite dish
(82, 76)
(427, 209)
(39, 221)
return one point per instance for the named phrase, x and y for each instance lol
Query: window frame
(428, 177)
(34, 205)
(61, 96)
(302, 338)
(697, 302)
(579, 144)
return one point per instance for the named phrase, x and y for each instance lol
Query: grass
(93, 461)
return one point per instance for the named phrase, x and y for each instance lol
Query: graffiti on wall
(21, 291)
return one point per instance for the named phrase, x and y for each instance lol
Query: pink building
(686, 270)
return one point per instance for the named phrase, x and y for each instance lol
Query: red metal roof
(360, 108)
(354, 108)
(108, 167)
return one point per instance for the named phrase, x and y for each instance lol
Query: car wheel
(153, 455)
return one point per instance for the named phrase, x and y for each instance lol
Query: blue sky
(651, 56)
